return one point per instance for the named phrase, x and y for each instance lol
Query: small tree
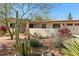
(5, 13)
(38, 18)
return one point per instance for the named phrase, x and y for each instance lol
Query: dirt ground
(51, 45)
(5, 41)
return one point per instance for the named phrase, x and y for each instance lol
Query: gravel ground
(7, 46)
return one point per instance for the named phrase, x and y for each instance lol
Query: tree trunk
(11, 36)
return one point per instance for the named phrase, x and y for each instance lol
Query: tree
(38, 18)
(70, 16)
(4, 14)
(29, 11)
(25, 11)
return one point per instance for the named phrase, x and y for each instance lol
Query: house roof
(13, 20)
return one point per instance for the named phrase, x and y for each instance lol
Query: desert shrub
(64, 32)
(35, 43)
(58, 43)
(3, 29)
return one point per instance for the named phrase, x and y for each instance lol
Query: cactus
(18, 43)
(24, 48)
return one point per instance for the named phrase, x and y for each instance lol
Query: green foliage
(70, 16)
(46, 18)
(18, 47)
(71, 47)
(41, 18)
(24, 48)
(4, 14)
(58, 43)
(38, 18)
(35, 43)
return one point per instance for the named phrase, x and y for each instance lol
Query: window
(31, 26)
(77, 24)
(56, 25)
(69, 24)
(63, 24)
(43, 25)
(12, 25)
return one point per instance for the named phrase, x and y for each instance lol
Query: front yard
(8, 47)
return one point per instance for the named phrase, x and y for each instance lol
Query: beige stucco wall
(74, 29)
(49, 25)
(44, 31)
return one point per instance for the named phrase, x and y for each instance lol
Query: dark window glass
(69, 24)
(63, 24)
(56, 25)
(31, 25)
(43, 25)
(77, 24)
(12, 25)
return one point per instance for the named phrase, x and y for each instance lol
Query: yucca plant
(71, 47)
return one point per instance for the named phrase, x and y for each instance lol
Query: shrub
(3, 29)
(58, 43)
(64, 32)
(35, 43)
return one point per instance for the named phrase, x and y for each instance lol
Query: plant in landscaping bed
(23, 48)
(35, 43)
(5, 14)
(71, 47)
(58, 43)
(3, 29)
(26, 48)
(64, 32)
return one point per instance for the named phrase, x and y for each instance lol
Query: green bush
(35, 43)
(58, 43)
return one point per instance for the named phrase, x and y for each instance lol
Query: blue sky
(61, 11)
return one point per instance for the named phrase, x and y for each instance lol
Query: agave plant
(71, 47)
